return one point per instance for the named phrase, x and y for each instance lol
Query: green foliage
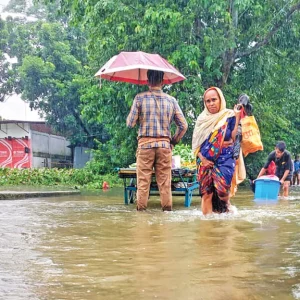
(185, 152)
(212, 43)
(254, 162)
(18, 6)
(6, 83)
(51, 74)
(83, 178)
(249, 46)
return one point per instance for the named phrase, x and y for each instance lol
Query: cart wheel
(132, 194)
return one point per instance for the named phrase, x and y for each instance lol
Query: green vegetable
(185, 152)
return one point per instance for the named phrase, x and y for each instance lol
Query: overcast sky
(3, 3)
(14, 108)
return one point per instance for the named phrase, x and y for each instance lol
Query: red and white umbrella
(132, 67)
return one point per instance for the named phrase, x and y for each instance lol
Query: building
(32, 144)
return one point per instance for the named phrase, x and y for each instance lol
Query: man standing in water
(283, 162)
(296, 172)
(155, 111)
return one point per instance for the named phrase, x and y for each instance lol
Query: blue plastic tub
(266, 189)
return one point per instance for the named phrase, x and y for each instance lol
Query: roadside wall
(50, 150)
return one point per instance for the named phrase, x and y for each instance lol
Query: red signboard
(15, 153)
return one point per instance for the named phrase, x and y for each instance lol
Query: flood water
(95, 247)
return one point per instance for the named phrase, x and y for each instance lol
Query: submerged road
(10, 195)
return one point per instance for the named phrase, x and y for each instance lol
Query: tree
(245, 46)
(6, 82)
(51, 78)
(16, 6)
(248, 46)
(50, 73)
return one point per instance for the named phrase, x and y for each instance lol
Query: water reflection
(94, 247)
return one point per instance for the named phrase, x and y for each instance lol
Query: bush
(84, 178)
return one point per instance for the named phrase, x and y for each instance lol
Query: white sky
(3, 3)
(14, 108)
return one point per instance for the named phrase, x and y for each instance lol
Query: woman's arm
(237, 112)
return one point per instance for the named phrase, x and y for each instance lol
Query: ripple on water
(64, 243)
(114, 208)
(257, 214)
(296, 291)
(253, 215)
(291, 271)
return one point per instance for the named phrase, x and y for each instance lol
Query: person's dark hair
(155, 77)
(281, 146)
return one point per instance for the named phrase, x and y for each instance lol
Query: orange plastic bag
(251, 141)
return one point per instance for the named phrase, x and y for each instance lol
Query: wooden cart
(184, 182)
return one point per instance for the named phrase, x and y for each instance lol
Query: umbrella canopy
(132, 67)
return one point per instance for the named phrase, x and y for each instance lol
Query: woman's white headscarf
(208, 122)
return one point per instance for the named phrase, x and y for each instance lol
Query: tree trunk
(228, 61)
(229, 55)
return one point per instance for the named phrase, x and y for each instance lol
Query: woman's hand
(237, 110)
(205, 162)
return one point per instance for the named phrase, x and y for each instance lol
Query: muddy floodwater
(92, 246)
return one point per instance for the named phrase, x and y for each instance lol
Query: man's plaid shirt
(154, 111)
